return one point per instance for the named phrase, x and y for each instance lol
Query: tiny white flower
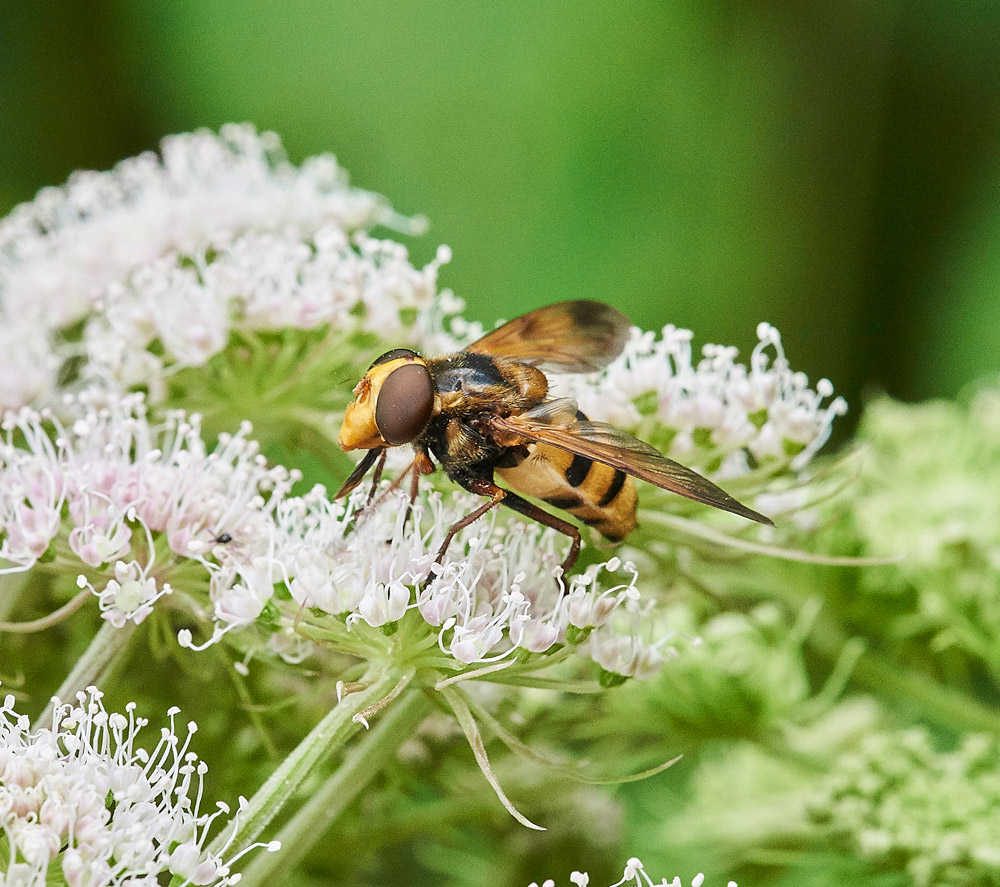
(29, 365)
(126, 491)
(130, 596)
(624, 654)
(55, 784)
(715, 412)
(384, 603)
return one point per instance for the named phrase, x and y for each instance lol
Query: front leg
(422, 466)
(377, 477)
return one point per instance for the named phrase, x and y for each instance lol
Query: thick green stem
(327, 737)
(92, 666)
(11, 585)
(362, 763)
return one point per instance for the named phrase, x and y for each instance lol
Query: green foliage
(901, 804)
(927, 500)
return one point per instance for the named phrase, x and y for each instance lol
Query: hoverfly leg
(473, 485)
(422, 464)
(377, 477)
(526, 508)
(414, 486)
(395, 485)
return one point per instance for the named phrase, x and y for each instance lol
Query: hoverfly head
(393, 403)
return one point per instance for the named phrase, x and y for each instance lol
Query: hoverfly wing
(569, 337)
(612, 446)
(359, 472)
(561, 412)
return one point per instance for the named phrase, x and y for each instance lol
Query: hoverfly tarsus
(484, 413)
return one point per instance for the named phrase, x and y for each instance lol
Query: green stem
(92, 666)
(327, 737)
(698, 530)
(56, 616)
(362, 763)
(11, 586)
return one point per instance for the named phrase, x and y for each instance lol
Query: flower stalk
(364, 760)
(92, 667)
(325, 739)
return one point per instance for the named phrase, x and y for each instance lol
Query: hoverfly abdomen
(578, 469)
(600, 496)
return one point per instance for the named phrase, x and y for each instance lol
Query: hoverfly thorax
(393, 403)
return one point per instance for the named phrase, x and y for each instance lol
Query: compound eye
(395, 354)
(404, 403)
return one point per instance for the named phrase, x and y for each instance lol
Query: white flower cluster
(261, 281)
(60, 252)
(497, 591)
(133, 506)
(219, 232)
(715, 413)
(135, 495)
(634, 876)
(84, 798)
(897, 800)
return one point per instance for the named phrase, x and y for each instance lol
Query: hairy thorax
(472, 388)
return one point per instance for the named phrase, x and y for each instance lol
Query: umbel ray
(484, 413)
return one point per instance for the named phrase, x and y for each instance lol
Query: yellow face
(393, 403)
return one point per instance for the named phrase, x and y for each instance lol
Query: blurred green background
(829, 167)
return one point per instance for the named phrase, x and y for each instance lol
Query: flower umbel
(900, 804)
(715, 414)
(180, 311)
(497, 592)
(131, 505)
(85, 796)
(59, 253)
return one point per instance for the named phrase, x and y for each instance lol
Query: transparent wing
(555, 423)
(570, 337)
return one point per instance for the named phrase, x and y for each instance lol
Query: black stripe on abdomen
(564, 502)
(617, 482)
(578, 470)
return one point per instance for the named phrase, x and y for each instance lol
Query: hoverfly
(484, 414)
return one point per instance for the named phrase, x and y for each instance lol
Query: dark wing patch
(612, 446)
(569, 337)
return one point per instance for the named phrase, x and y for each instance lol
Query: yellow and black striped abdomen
(599, 495)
